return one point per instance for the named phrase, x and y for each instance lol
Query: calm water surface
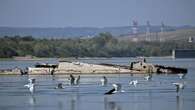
(157, 94)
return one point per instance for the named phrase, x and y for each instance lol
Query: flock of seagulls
(116, 87)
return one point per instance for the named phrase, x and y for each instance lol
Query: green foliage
(103, 45)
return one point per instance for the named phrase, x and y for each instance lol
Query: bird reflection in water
(60, 104)
(74, 101)
(53, 77)
(70, 103)
(111, 105)
(32, 100)
(179, 103)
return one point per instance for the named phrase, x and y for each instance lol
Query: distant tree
(103, 45)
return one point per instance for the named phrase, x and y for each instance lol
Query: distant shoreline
(79, 58)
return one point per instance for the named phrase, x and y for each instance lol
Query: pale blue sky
(95, 13)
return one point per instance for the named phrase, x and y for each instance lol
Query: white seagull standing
(72, 79)
(149, 77)
(77, 80)
(104, 81)
(31, 85)
(133, 82)
(181, 76)
(31, 81)
(179, 86)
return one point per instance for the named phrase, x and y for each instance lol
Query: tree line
(103, 45)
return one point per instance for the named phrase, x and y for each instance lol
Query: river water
(157, 94)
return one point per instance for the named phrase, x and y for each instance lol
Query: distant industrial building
(162, 29)
(135, 28)
(190, 39)
(183, 53)
(148, 33)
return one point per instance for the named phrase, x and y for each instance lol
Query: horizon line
(90, 26)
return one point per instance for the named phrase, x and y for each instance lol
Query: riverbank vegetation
(103, 45)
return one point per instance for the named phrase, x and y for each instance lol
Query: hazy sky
(95, 13)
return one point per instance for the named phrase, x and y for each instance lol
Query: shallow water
(157, 94)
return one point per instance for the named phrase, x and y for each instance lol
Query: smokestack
(135, 27)
(148, 31)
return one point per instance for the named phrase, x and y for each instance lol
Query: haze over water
(158, 94)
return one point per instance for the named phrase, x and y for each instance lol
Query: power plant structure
(148, 33)
(162, 29)
(135, 28)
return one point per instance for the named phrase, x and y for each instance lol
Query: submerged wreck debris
(67, 67)
(168, 69)
(14, 71)
(153, 68)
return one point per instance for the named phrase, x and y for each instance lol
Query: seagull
(133, 82)
(149, 77)
(116, 88)
(77, 80)
(72, 79)
(31, 87)
(59, 86)
(104, 81)
(31, 81)
(181, 76)
(179, 86)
